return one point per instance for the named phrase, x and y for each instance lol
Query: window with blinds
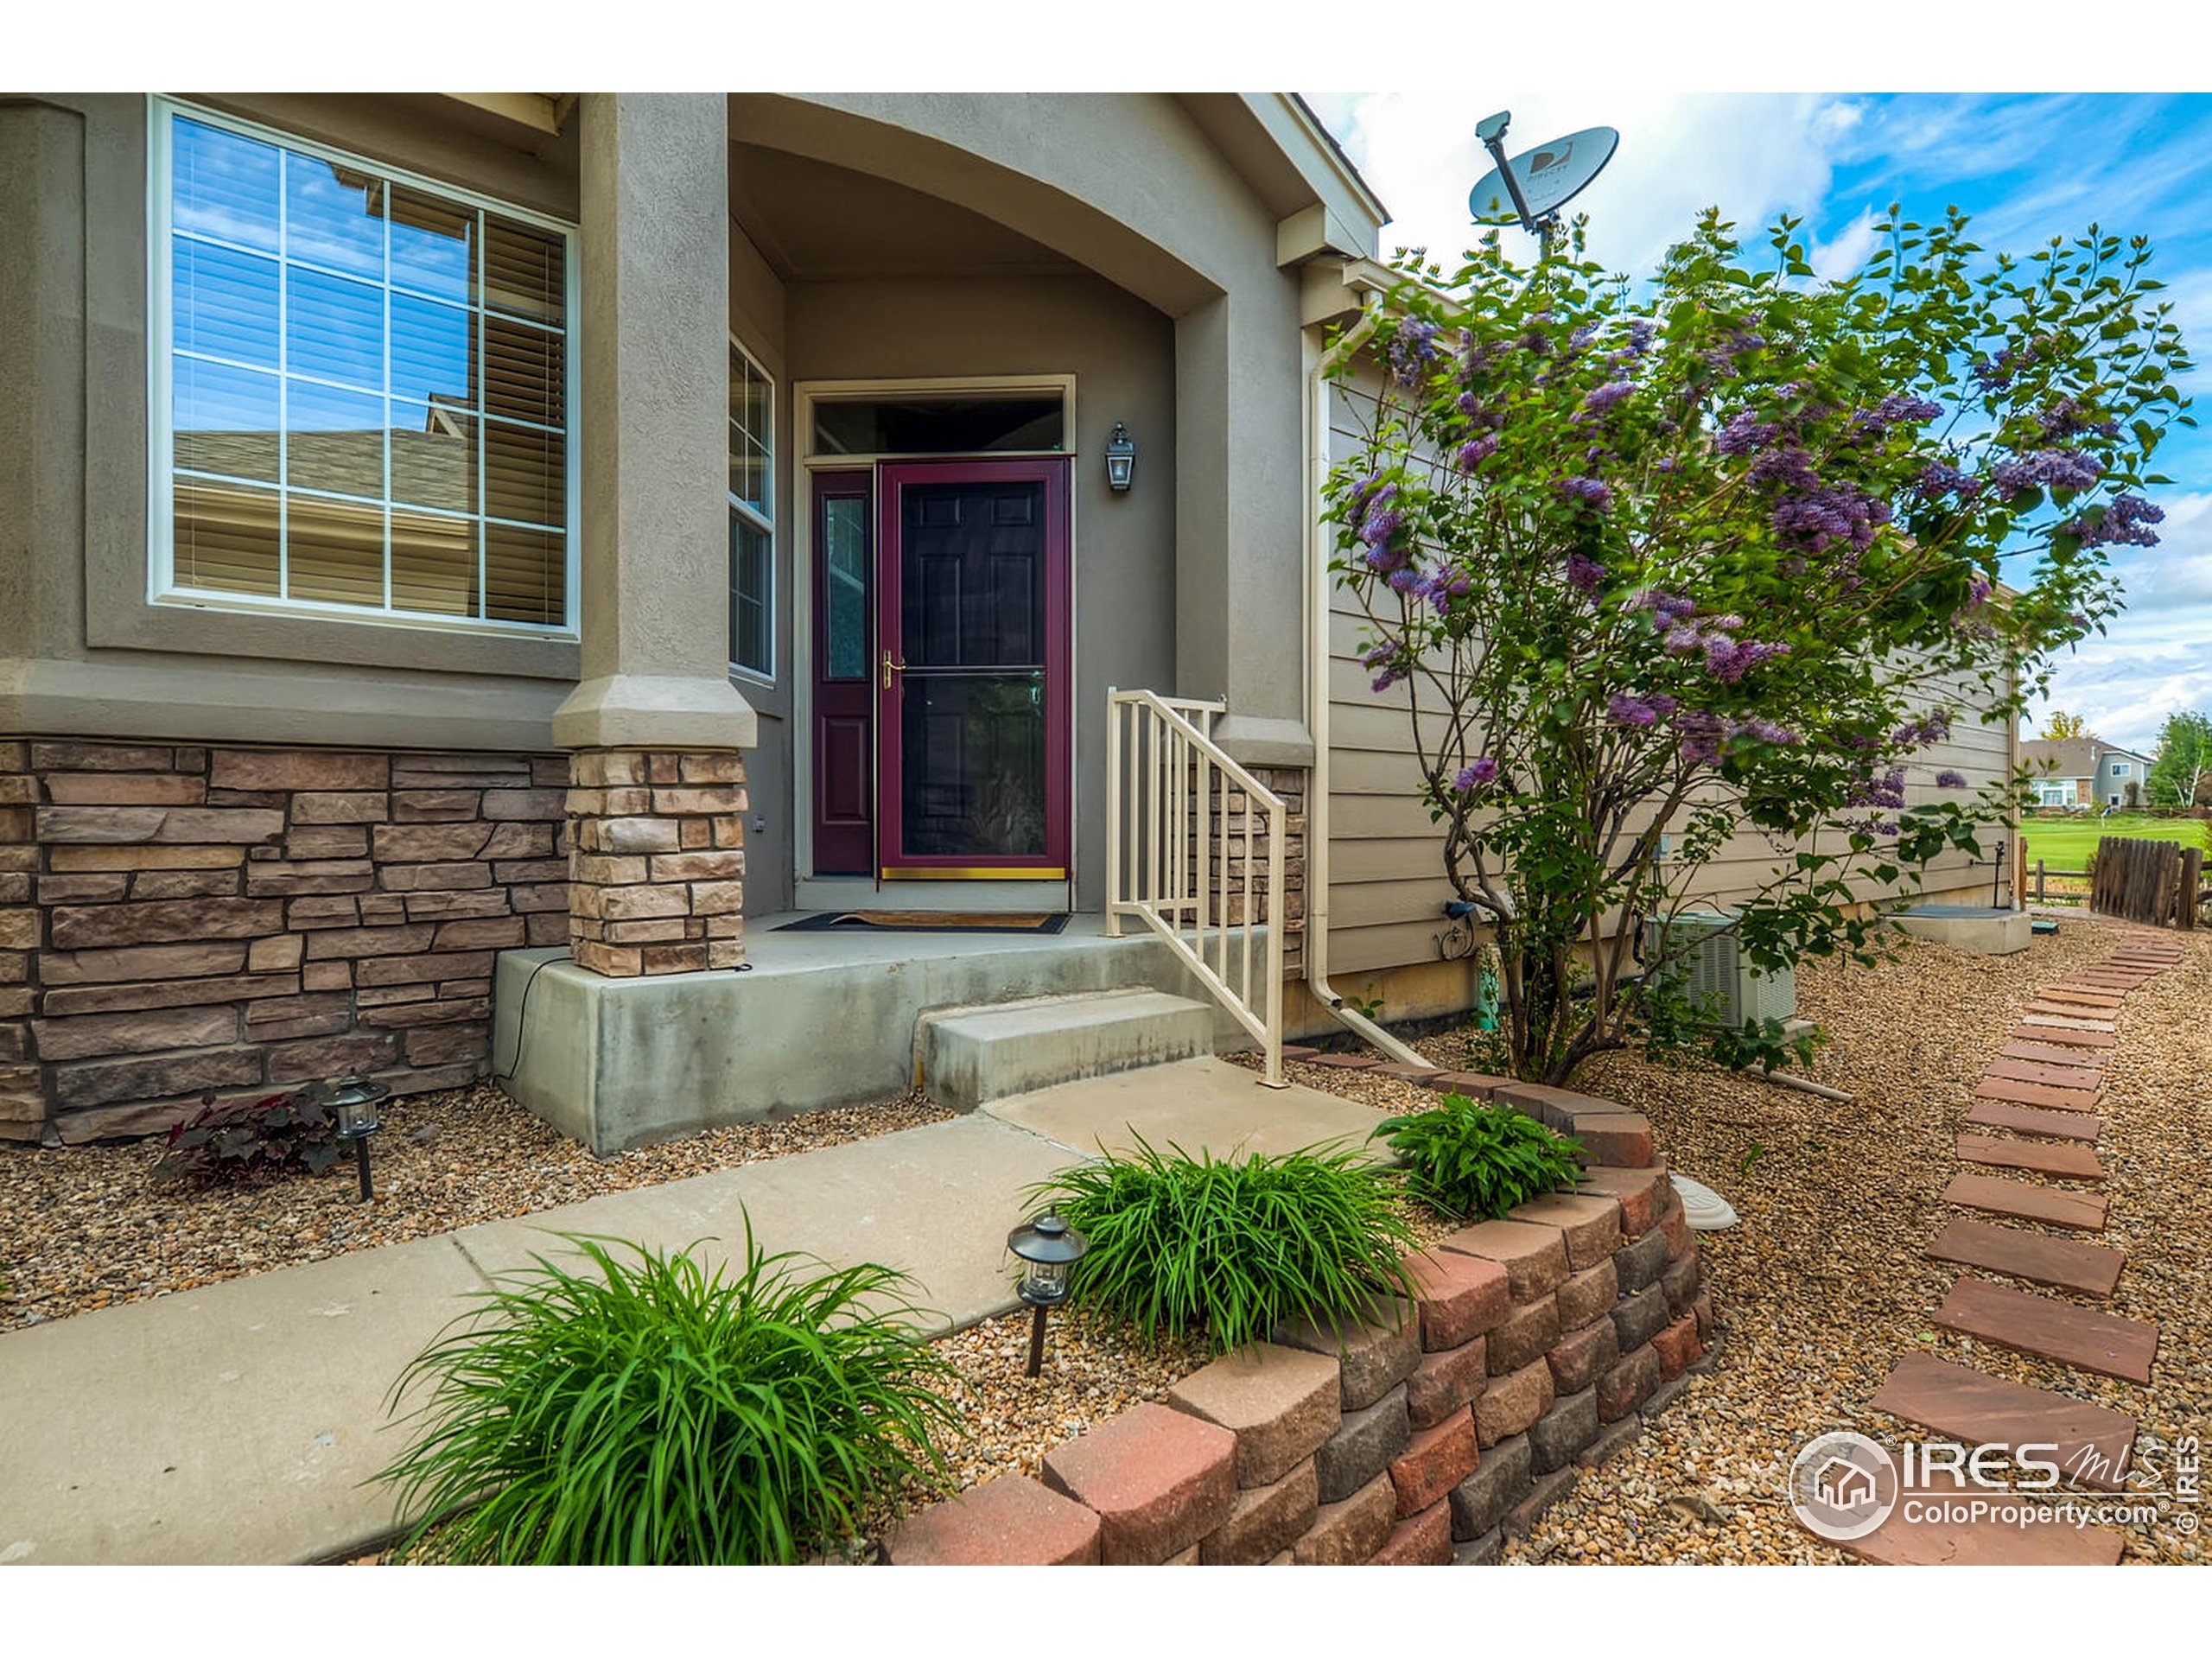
(367, 404)
(752, 527)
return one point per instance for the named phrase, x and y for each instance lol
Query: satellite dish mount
(1537, 184)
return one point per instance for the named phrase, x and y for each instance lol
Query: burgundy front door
(844, 674)
(972, 658)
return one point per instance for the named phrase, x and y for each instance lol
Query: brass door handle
(891, 668)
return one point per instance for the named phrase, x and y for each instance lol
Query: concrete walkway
(238, 1422)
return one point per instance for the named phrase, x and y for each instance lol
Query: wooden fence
(2155, 883)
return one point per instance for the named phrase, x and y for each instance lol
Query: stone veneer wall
(1536, 1347)
(176, 919)
(1289, 783)
(660, 860)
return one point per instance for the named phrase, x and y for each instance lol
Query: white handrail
(1178, 857)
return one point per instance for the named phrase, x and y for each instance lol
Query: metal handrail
(1181, 859)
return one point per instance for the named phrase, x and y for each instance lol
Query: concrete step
(971, 1055)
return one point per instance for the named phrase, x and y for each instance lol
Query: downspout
(1318, 589)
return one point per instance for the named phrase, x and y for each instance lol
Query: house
(476, 570)
(2084, 772)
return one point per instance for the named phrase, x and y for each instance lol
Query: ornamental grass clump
(1475, 1163)
(1181, 1244)
(652, 1412)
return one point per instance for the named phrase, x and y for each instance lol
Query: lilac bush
(1658, 568)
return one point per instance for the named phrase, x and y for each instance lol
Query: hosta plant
(1230, 1247)
(1476, 1162)
(640, 1409)
(240, 1139)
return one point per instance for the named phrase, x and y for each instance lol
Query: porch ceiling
(816, 222)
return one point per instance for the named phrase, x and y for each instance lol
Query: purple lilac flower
(1582, 336)
(1584, 572)
(1788, 467)
(1639, 336)
(2057, 469)
(1743, 432)
(1378, 656)
(1603, 398)
(1941, 478)
(1816, 521)
(1766, 731)
(1591, 490)
(1404, 580)
(1701, 732)
(2066, 418)
(2125, 521)
(1480, 775)
(1949, 779)
(1729, 660)
(1994, 374)
(1933, 727)
(1666, 608)
(1888, 790)
(1476, 451)
(1625, 710)
(1413, 349)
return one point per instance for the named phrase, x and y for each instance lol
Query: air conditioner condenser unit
(1712, 973)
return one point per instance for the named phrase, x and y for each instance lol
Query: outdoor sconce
(1049, 1248)
(1121, 459)
(354, 1102)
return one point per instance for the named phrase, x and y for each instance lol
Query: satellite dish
(1534, 186)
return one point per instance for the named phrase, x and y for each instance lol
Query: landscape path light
(353, 1101)
(1048, 1248)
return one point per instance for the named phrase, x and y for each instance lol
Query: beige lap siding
(178, 919)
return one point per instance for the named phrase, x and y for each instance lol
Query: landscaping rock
(1423, 1540)
(1625, 1387)
(1009, 1521)
(1530, 1331)
(1445, 1382)
(1348, 1533)
(1641, 1263)
(1281, 1403)
(1263, 1521)
(1613, 1439)
(1579, 1359)
(1588, 1296)
(1159, 1479)
(1534, 1258)
(1363, 1446)
(1590, 1226)
(1375, 1356)
(1560, 1433)
(1511, 1402)
(1664, 1395)
(1433, 1462)
(1480, 1501)
(1461, 1297)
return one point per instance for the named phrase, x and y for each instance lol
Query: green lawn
(2063, 843)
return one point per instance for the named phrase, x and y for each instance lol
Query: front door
(972, 669)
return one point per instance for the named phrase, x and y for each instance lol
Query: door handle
(891, 668)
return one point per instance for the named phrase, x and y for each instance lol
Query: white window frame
(763, 522)
(162, 587)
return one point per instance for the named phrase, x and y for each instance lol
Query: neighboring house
(2083, 770)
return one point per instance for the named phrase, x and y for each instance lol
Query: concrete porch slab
(819, 1019)
(1985, 929)
(1203, 1104)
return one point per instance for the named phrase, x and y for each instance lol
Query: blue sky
(2026, 168)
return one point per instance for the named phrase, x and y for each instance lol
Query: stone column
(658, 798)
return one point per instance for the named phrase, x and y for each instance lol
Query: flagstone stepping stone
(2024, 1202)
(2089, 999)
(2077, 1059)
(2093, 1444)
(1936, 1540)
(2066, 1016)
(2055, 1077)
(2037, 1094)
(2063, 1263)
(2025, 1120)
(2050, 1329)
(2072, 1163)
(2064, 1036)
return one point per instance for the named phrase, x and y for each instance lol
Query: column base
(656, 885)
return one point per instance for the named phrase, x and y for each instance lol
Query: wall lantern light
(1048, 1248)
(354, 1100)
(1121, 459)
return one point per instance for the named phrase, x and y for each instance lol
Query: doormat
(932, 921)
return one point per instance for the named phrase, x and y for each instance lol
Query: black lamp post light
(1048, 1247)
(353, 1101)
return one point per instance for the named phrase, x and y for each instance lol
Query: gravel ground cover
(86, 1227)
(1823, 1285)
